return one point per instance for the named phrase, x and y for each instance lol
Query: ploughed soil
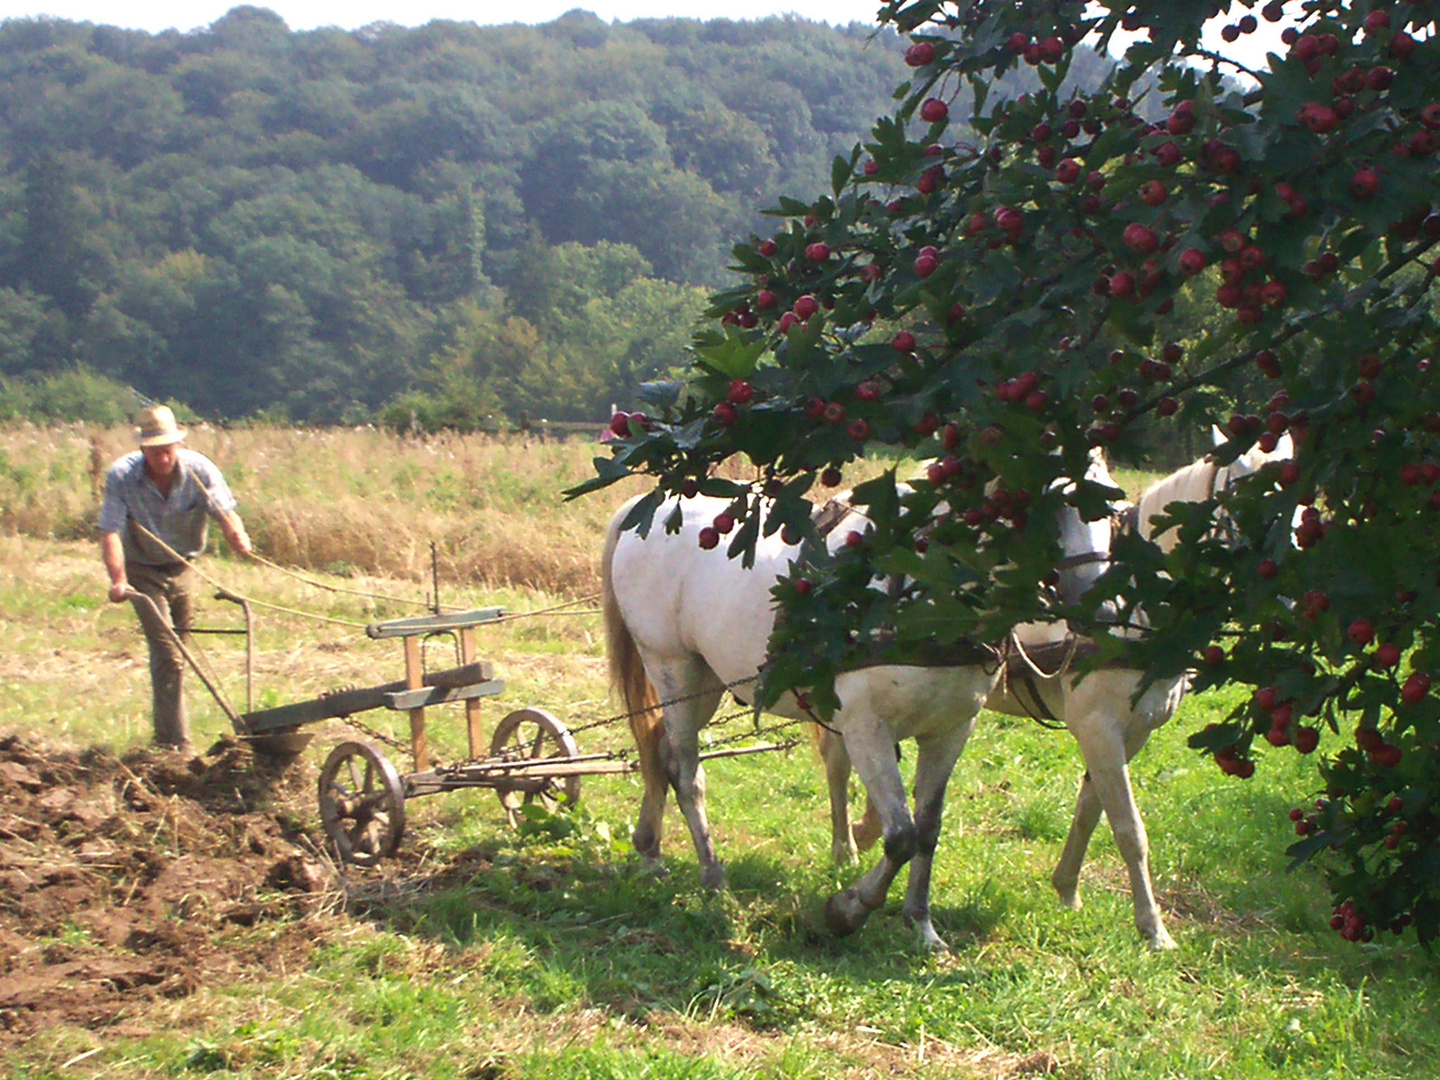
(129, 879)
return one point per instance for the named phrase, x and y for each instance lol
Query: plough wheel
(362, 805)
(534, 735)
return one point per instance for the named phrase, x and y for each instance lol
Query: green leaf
(643, 512)
(608, 470)
(735, 357)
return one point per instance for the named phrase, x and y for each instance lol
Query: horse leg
(872, 749)
(847, 838)
(1066, 878)
(654, 749)
(934, 762)
(837, 779)
(684, 718)
(1105, 755)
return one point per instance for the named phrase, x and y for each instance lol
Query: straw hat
(155, 426)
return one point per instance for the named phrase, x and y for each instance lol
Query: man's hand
(114, 559)
(235, 534)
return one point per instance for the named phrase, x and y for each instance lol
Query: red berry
(1320, 119)
(709, 537)
(920, 54)
(1415, 689)
(1364, 182)
(1167, 154)
(933, 110)
(1388, 756)
(1140, 238)
(1068, 171)
(1361, 632)
(1152, 192)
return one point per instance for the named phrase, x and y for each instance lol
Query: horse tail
(638, 697)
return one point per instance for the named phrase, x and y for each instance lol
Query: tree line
(311, 225)
(457, 223)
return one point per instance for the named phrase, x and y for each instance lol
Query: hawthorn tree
(990, 285)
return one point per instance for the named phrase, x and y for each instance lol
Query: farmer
(152, 523)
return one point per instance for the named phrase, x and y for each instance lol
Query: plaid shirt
(179, 519)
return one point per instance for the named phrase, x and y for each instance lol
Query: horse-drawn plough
(531, 757)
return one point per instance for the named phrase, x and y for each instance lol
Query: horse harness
(1026, 668)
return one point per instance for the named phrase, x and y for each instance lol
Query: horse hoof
(645, 842)
(713, 878)
(931, 942)
(925, 936)
(1160, 940)
(844, 914)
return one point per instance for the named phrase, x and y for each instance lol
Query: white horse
(1100, 708)
(683, 624)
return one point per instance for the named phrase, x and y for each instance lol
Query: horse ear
(1284, 448)
(1218, 435)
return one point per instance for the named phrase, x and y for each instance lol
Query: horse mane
(1189, 484)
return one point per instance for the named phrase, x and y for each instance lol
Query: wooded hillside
(508, 220)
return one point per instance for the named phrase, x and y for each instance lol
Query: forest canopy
(464, 224)
(313, 225)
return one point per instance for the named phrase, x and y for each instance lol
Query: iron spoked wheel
(362, 805)
(534, 735)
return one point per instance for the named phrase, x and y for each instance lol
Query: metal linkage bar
(432, 624)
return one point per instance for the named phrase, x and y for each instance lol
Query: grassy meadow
(566, 958)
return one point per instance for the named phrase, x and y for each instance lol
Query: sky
(157, 15)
